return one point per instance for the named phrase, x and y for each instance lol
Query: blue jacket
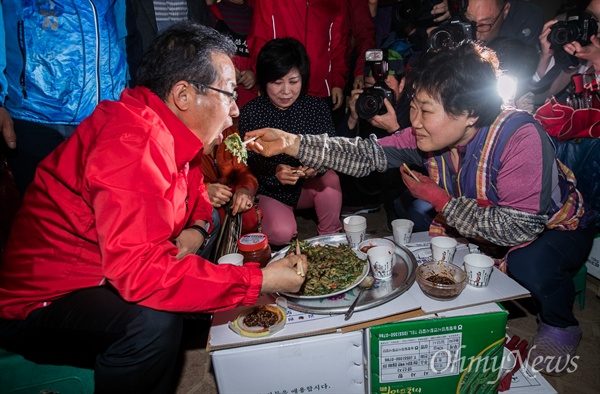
(59, 58)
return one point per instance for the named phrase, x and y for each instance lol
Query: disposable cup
(355, 237)
(402, 229)
(443, 248)
(381, 259)
(232, 258)
(479, 268)
(355, 223)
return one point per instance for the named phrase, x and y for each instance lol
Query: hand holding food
(271, 142)
(282, 275)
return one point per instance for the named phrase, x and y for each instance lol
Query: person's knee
(282, 232)
(161, 330)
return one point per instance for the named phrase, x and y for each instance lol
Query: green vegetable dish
(233, 144)
(330, 268)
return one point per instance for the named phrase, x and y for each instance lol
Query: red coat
(224, 168)
(321, 25)
(106, 206)
(362, 33)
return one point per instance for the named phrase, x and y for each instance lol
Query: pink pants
(324, 193)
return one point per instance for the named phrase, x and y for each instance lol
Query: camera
(371, 101)
(452, 32)
(406, 13)
(576, 28)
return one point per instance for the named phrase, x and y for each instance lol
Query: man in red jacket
(101, 257)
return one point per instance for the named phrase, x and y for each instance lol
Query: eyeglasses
(233, 96)
(485, 27)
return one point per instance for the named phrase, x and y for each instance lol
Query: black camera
(452, 32)
(576, 28)
(407, 13)
(371, 101)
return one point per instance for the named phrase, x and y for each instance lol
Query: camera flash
(374, 55)
(507, 88)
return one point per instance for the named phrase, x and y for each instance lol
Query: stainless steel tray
(403, 276)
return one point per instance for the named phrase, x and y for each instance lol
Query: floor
(197, 376)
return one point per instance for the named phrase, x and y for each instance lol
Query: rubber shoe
(553, 350)
(369, 208)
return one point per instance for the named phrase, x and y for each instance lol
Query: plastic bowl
(368, 243)
(440, 291)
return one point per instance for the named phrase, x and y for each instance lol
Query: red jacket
(320, 25)
(362, 33)
(106, 205)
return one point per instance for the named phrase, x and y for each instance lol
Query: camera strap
(564, 62)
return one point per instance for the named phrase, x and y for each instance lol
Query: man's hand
(219, 194)
(282, 275)
(337, 97)
(273, 142)
(242, 201)
(387, 121)
(425, 189)
(188, 242)
(8, 129)
(359, 82)
(442, 11)
(589, 52)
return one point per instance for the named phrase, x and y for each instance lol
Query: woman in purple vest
(492, 177)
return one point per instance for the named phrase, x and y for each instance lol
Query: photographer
(559, 63)
(378, 115)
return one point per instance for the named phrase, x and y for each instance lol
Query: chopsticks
(248, 141)
(299, 265)
(410, 172)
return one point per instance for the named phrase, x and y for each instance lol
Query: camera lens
(562, 33)
(368, 105)
(441, 38)
(407, 11)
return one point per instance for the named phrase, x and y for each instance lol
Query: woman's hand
(282, 275)
(273, 142)
(288, 175)
(242, 201)
(425, 189)
(219, 194)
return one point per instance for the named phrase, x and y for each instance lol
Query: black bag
(230, 232)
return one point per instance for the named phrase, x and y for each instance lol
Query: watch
(202, 231)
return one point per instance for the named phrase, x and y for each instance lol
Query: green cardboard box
(457, 354)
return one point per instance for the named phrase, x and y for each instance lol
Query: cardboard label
(460, 354)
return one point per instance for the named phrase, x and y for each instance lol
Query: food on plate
(261, 316)
(330, 269)
(234, 145)
(259, 321)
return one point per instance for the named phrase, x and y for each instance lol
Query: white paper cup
(479, 268)
(381, 259)
(402, 229)
(355, 223)
(443, 248)
(355, 237)
(355, 227)
(232, 258)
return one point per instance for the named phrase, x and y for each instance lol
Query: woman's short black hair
(463, 78)
(277, 58)
(183, 52)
